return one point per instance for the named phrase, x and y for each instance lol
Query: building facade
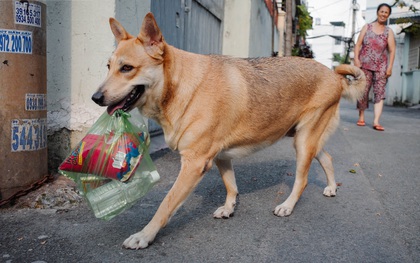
(327, 40)
(79, 43)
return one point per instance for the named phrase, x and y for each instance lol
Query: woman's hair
(384, 4)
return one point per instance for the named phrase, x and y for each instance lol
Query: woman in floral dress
(374, 53)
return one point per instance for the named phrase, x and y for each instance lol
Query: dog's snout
(98, 97)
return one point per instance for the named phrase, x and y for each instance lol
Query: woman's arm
(391, 50)
(358, 46)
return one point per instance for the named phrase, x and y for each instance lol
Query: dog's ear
(151, 37)
(118, 30)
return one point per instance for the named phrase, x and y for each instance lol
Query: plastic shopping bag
(112, 148)
(111, 164)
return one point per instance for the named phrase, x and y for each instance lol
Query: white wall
(247, 29)
(339, 48)
(236, 29)
(323, 47)
(77, 49)
(79, 43)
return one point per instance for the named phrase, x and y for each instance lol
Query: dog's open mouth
(128, 102)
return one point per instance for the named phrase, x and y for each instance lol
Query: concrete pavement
(375, 216)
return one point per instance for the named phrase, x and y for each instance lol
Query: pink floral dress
(374, 59)
(374, 53)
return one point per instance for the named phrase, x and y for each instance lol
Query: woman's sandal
(361, 123)
(378, 127)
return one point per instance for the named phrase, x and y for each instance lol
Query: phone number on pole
(15, 41)
(29, 134)
(27, 14)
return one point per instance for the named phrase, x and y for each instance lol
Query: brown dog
(216, 108)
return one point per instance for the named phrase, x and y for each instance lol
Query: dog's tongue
(112, 108)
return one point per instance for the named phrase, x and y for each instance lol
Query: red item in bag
(101, 155)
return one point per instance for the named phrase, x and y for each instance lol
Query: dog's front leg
(192, 170)
(228, 176)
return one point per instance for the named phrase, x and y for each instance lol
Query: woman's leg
(377, 110)
(361, 116)
(363, 103)
(379, 84)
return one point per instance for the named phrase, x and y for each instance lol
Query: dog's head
(134, 67)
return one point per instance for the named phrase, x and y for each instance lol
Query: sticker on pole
(27, 13)
(15, 41)
(29, 134)
(35, 102)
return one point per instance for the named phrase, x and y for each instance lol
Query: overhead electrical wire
(326, 6)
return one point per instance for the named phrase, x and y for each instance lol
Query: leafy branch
(304, 20)
(414, 28)
(304, 23)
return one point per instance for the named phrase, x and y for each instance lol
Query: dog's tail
(353, 88)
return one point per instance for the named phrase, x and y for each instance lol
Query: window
(418, 58)
(337, 41)
(414, 54)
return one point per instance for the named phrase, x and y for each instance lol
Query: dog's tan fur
(215, 108)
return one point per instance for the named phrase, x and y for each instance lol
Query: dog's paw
(223, 212)
(330, 191)
(283, 210)
(137, 241)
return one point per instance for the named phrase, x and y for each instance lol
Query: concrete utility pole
(353, 23)
(355, 8)
(289, 29)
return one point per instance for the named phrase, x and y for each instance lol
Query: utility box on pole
(23, 88)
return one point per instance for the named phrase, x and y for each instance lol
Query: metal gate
(191, 25)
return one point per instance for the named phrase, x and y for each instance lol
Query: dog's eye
(108, 66)
(126, 68)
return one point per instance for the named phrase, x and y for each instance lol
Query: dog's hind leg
(326, 163)
(324, 158)
(228, 176)
(304, 155)
(309, 141)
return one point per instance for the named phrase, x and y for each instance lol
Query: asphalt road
(375, 216)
